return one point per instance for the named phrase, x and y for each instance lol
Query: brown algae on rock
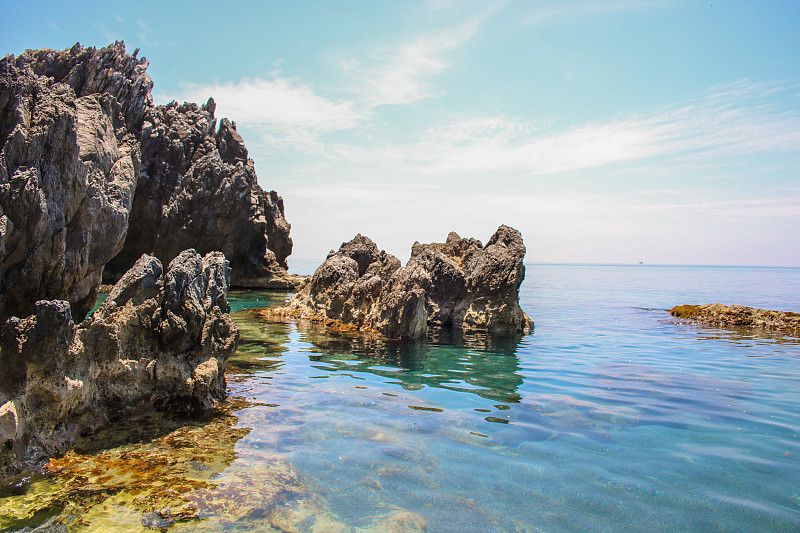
(159, 343)
(181, 476)
(721, 315)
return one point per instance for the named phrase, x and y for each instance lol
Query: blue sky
(606, 131)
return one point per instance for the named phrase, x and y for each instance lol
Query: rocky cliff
(458, 284)
(93, 175)
(159, 342)
(197, 188)
(69, 162)
(85, 155)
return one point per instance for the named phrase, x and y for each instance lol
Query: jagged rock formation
(68, 169)
(83, 152)
(160, 342)
(457, 284)
(198, 188)
(720, 315)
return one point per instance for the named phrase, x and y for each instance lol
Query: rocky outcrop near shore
(458, 284)
(719, 315)
(160, 342)
(198, 188)
(92, 175)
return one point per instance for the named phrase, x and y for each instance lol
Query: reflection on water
(476, 363)
(576, 436)
(162, 473)
(738, 335)
(178, 475)
(240, 299)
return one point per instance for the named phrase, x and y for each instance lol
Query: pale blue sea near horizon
(611, 416)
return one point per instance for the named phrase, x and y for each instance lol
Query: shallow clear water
(612, 416)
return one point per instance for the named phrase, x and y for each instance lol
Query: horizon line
(637, 264)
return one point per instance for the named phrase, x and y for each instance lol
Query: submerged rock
(198, 477)
(720, 315)
(458, 284)
(160, 342)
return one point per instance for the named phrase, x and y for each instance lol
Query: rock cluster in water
(458, 284)
(720, 315)
(92, 175)
(160, 342)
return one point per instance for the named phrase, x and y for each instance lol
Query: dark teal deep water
(612, 416)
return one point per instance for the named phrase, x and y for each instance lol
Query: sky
(613, 131)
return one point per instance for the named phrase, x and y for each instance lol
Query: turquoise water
(612, 416)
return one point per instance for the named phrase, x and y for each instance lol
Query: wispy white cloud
(145, 34)
(747, 88)
(107, 34)
(290, 112)
(284, 110)
(675, 206)
(365, 192)
(727, 123)
(403, 73)
(663, 224)
(400, 75)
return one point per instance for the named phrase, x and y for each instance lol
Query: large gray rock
(160, 342)
(197, 188)
(68, 171)
(85, 155)
(458, 284)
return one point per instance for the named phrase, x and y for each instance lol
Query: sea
(612, 416)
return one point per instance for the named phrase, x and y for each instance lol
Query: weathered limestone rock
(84, 155)
(68, 170)
(197, 188)
(160, 342)
(89, 71)
(457, 284)
(720, 315)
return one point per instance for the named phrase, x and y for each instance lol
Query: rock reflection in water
(260, 346)
(247, 299)
(473, 362)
